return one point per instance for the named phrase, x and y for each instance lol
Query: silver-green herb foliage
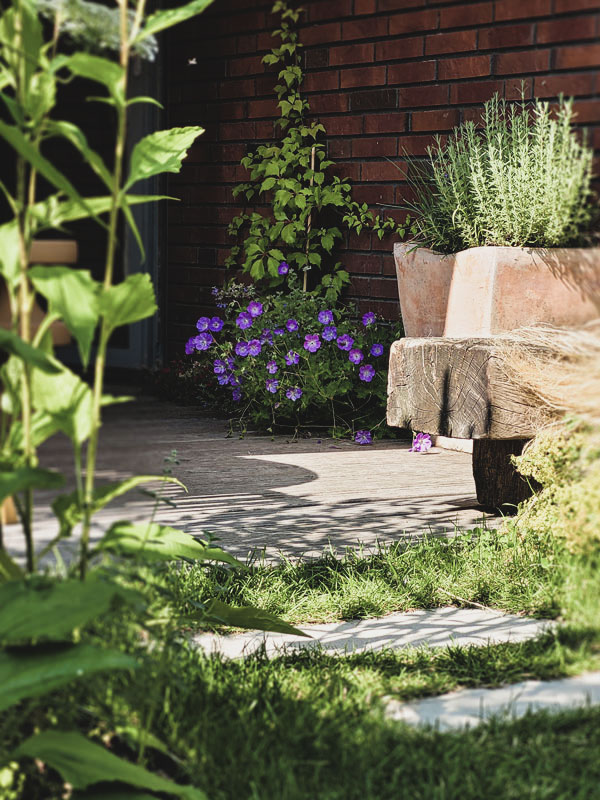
(523, 179)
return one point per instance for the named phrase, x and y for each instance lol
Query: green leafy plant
(287, 362)
(44, 621)
(307, 208)
(522, 179)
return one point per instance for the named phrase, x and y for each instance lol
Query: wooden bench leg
(497, 482)
(8, 512)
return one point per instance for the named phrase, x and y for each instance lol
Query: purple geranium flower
(214, 291)
(294, 394)
(272, 385)
(244, 320)
(278, 331)
(291, 357)
(255, 309)
(368, 319)
(254, 347)
(216, 324)
(363, 437)
(223, 380)
(421, 443)
(325, 317)
(230, 363)
(190, 345)
(236, 395)
(356, 356)
(203, 324)
(366, 373)
(272, 367)
(329, 333)
(376, 350)
(283, 268)
(203, 341)
(241, 349)
(312, 342)
(345, 342)
(266, 337)
(219, 367)
(292, 325)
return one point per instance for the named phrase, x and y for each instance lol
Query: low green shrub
(286, 361)
(522, 179)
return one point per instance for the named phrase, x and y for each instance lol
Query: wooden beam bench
(460, 388)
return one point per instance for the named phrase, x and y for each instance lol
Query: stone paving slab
(273, 494)
(438, 627)
(473, 707)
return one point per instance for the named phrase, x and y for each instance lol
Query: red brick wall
(383, 76)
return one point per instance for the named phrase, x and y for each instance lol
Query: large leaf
(96, 68)
(161, 151)
(30, 153)
(67, 400)
(77, 138)
(14, 345)
(83, 763)
(154, 542)
(51, 611)
(9, 570)
(129, 301)
(9, 253)
(36, 671)
(69, 511)
(16, 480)
(249, 617)
(55, 211)
(73, 295)
(161, 20)
(43, 426)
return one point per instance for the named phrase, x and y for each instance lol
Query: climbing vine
(305, 207)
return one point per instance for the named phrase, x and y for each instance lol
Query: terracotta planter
(487, 290)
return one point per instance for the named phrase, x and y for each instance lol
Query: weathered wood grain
(497, 482)
(458, 388)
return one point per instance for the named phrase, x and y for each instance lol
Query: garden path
(270, 495)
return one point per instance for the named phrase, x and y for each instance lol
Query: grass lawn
(312, 725)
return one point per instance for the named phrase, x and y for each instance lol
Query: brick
(237, 130)
(587, 111)
(467, 67)
(506, 36)
(265, 83)
(346, 170)
(474, 92)
(351, 54)
(422, 96)
(249, 65)
(228, 152)
(570, 84)
(460, 41)
(247, 44)
(374, 99)
(363, 263)
(339, 148)
(575, 5)
(384, 287)
(236, 89)
(385, 123)
(434, 120)
(183, 255)
(566, 29)
(515, 88)
(519, 9)
(332, 9)
(263, 108)
(414, 145)
(364, 76)
(332, 103)
(515, 63)
(365, 6)
(581, 56)
(466, 15)
(400, 48)
(321, 34)
(382, 170)
(398, 5)
(365, 28)
(321, 81)
(373, 193)
(264, 130)
(343, 126)
(316, 57)
(411, 72)
(413, 22)
(374, 147)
